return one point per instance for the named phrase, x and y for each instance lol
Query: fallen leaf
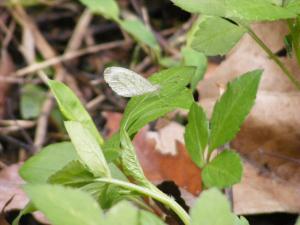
(264, 193)
(159, 167)
(10, 185)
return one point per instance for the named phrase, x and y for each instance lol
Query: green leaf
(294, 6)
(298, 221)
(241, 221)
(168, 62)
(254, 10)
(112, 147)
(32, 99)
(212, 41)
(292, 40)
(29, 208)
(87, 148)
(48, 161)
(71, 107)
(212, 208)
(130, 161)
(141, 33)
(123, 213)
(173, 94)
(223, 171)
(231, 110)
(73, 174)
(196, 134)
(197, 59)
(147, 218)
(63, 206)
(107, 8)
(207, 7)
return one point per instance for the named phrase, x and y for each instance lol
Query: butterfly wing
(128, 83)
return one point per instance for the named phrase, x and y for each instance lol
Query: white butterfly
(128, 83)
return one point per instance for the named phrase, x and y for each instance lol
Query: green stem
(153, 193)
(273, 57)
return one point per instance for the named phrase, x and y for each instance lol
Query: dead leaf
(264, 193)
(159, 167)
(10, 185)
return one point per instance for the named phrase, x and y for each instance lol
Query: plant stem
(273, 57)
(153, 193)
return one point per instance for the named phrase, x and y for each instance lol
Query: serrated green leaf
(232, 109)
(130, 161)
(141, 33)
(64, 206)
(48, 161)
(173, 94)
(32, 99)
(211, 208)
(196, 134)
(197, 59)
(107, 8)
(71, 107)
(254, 10)
(147, 218)
(223, 171)
(73, 174)
(87, 148)
(212, 41)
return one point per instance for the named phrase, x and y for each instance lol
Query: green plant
(224, 22)
(72, 183)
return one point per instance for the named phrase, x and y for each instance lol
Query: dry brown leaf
(264, 193)
(10, 185)
(159, 167)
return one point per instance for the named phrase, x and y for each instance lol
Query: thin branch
(68, 56)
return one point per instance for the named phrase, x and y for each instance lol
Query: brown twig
(68, 56)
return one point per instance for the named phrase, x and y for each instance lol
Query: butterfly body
(128, 83)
